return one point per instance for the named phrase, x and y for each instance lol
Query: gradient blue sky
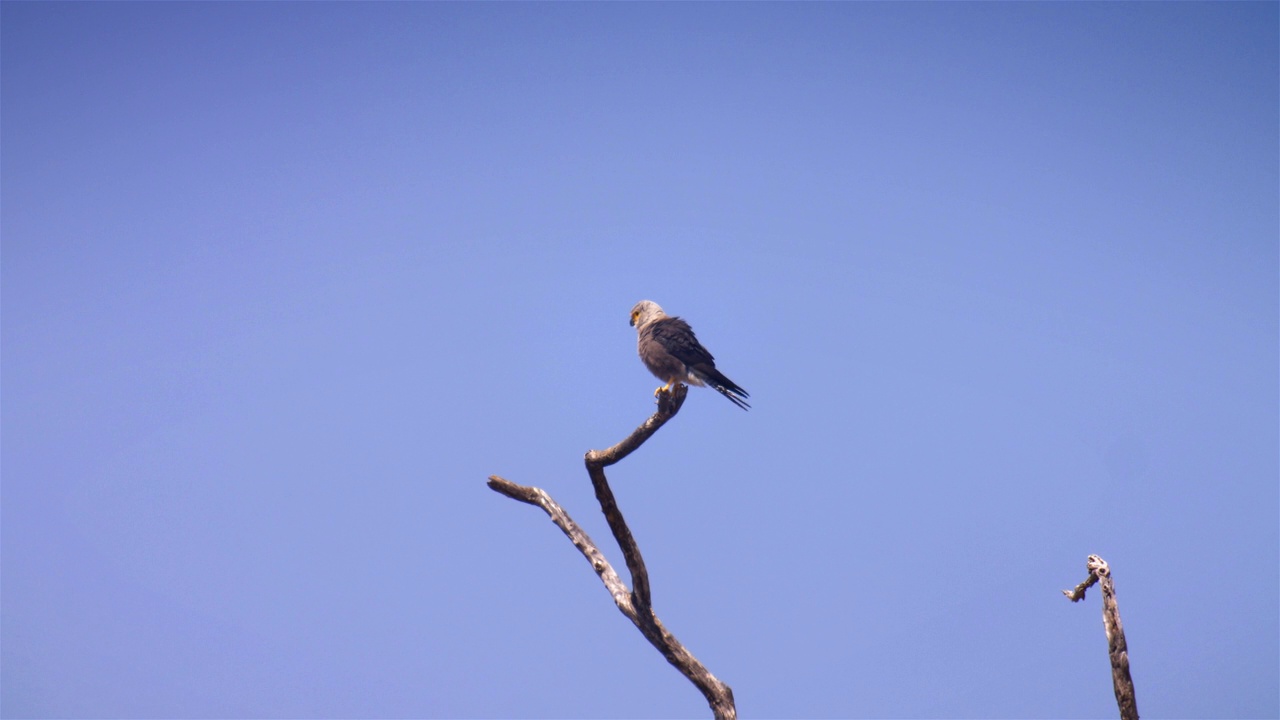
(283, 283)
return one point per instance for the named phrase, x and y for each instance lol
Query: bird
(673, 354)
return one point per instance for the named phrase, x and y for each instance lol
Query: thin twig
(1117, 648)
(637, 604)
(1077, 594)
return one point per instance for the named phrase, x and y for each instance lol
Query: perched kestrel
(670, 350)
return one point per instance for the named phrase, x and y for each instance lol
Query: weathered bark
(636, 604)
(1117, 648)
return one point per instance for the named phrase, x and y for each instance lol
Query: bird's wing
(678, 339)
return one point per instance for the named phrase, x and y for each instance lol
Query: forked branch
(1117, 648)
(636, 604)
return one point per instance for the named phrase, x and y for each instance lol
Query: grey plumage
(673, 354)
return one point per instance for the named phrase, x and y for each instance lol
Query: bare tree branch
(576, 535)
(1077, 594)
(636, 604)
(1117, 648)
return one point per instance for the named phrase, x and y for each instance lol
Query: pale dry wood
(1117, 648)
(636, 604)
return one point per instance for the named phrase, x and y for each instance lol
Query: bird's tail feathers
(735, 395)
(724, 386)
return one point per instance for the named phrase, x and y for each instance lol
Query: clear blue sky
(284, 283)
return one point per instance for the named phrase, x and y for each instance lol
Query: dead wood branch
(1117, 648)
(637, 603)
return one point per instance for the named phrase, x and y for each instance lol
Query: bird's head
(644, 311)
